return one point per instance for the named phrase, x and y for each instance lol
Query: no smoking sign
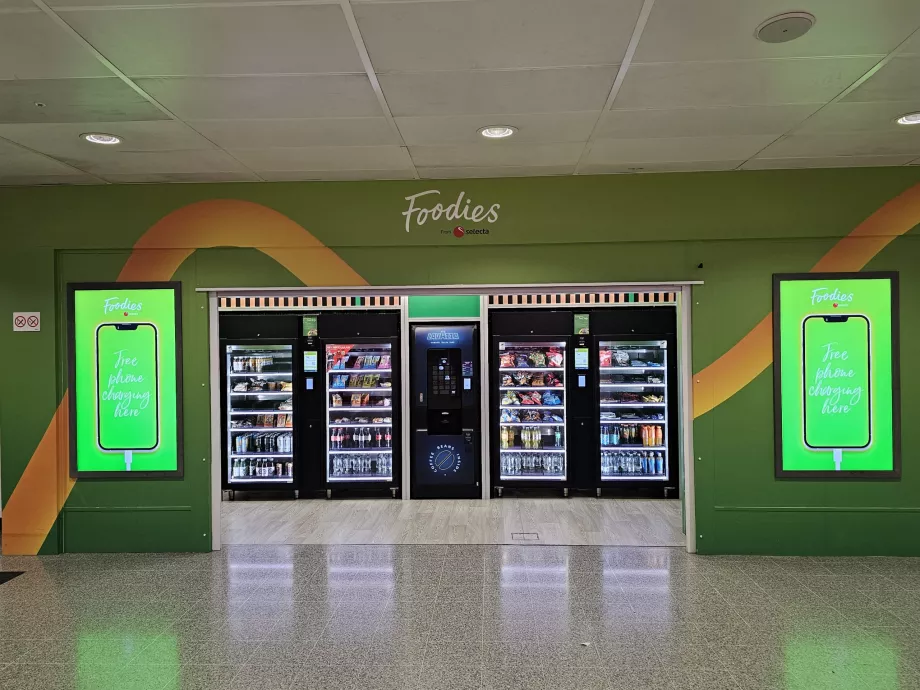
(24, 321)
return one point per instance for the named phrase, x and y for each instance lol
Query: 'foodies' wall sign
(421, 209)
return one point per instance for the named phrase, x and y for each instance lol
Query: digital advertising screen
(125, 379)
(836, 390)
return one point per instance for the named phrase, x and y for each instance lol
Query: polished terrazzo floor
(458, 617)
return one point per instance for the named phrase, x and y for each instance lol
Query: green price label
(125, 372)
(835, 359)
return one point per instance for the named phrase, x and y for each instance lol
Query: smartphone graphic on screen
(837, 380)
(127, 387)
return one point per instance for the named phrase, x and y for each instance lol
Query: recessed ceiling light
(497, 131)
(100, 138)
(909, 119)
(785, 27)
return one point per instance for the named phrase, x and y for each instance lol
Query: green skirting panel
(135, 529)
(444, 306)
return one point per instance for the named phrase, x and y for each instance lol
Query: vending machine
(259, 404)
(637, 413)
(352, 373)
(445, 411)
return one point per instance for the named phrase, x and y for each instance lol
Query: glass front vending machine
(637, 413)
(529, 404)
(258, 395)
(362, 405)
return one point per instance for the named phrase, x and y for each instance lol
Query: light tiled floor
(571, 521)
(458, 617)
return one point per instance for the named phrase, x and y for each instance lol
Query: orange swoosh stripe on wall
(45, 484)
(754, 352)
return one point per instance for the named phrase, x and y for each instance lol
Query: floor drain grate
(525, 536)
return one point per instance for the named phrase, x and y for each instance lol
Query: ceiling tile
(696, 122)
(17, 5)
(667, 166)
(464, 129)
(16, 161)
(846, 144)
(63, 140)
(257, 134)
(677, 149)
(147, 162)
(262, 39)
(325, 158)
(912, 47)
(73, 100)
(160, 178)
(679, 30)
(496, 154)
(899, 80)
(248, 98)
(858, 117)
(496, 93)
(33, 47)
(496, 34)
(295, 175)
(751, 82)
(830, 162)
(487, 172)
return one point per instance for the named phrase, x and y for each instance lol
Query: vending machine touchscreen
(444, 396)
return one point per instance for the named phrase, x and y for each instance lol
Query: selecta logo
(125, 306)
(461, 209)
(835, 296)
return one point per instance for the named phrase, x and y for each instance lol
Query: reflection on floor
(575, 521)
(458, 618)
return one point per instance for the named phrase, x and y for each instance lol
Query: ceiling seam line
(871, 72)
(365, 57)
(638, 29)
(52, 158)
(109, 65)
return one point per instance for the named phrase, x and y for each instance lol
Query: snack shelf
(633, 385)
(361, 477)
(658, 404)
(533, 407)
(250, 429)
(533, 450)
(285, 394)
(252, 412)
(661, 368)
(253, 374)
(345, 408)
(357, 424)
(361, 390)
(635, 447)
(261, 455)
(369, 451)
(502, 369)
(562, 423)
(531, 388)
(360, 371)
(524, 475)
(633, 421)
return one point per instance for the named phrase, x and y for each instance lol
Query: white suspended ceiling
(397, 89)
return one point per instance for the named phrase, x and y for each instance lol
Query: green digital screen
(125, 385)
(836, 375)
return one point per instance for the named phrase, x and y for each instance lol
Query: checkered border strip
(308, 302)
(583, 298)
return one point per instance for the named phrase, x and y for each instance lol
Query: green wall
(741, 226)
(443, 306)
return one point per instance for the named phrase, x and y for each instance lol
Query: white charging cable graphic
(838, 458)
(129, 456)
